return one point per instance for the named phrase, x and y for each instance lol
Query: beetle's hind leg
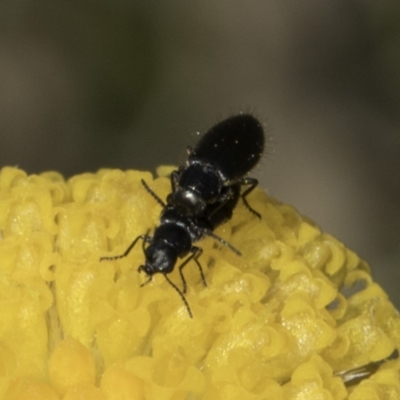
(253, 182)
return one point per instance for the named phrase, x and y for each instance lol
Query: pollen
(296, 316)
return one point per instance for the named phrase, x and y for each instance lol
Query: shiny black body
(174, 238)
(220, 160)
(175, 235)
(204, 195)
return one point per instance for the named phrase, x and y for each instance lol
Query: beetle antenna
(180, 294)
(152, 194)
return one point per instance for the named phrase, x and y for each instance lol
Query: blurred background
(127, 84)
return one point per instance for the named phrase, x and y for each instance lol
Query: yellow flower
(275, 323)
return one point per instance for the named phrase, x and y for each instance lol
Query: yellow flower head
(296, 316)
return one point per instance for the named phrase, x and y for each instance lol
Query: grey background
(127, 84)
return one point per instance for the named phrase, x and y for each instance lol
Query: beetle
(204, 195)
